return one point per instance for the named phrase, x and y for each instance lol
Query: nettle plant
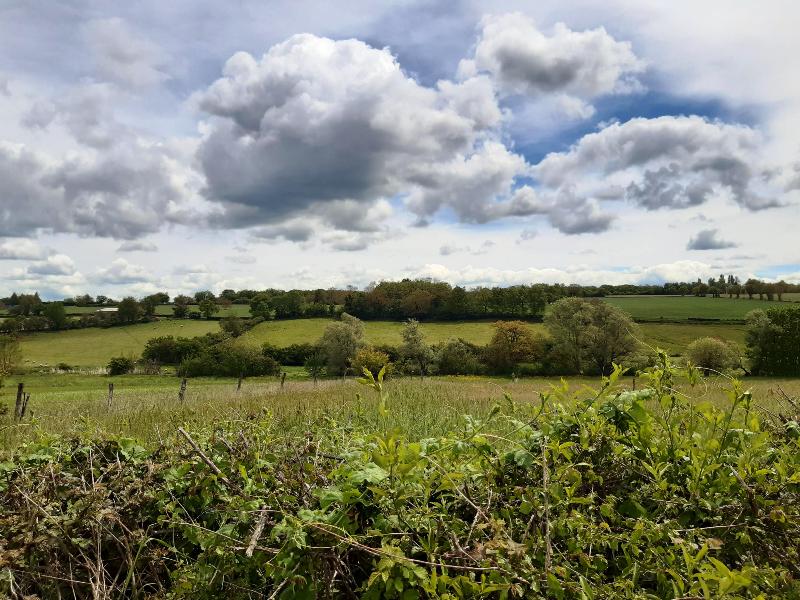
(606, 493)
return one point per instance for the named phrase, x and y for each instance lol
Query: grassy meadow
(94, 346)
(147, 407)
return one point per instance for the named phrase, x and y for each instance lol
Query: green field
(234, 310)
(94, 346)
(680, 308)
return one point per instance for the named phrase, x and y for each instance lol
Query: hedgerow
(608, 493)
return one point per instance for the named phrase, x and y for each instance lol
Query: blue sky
(190, 145)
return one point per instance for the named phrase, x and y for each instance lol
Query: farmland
(681, 308)
(93, 347)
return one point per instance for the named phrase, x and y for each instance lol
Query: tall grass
(147, 408)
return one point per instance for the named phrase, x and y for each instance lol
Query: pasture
(682, 308)
(93, 347)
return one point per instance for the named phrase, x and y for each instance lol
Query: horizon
(191, 146)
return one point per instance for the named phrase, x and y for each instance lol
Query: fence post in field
(110, 394)
(283, 379)
(634, 383)
(239, 384)
(24, 408)
(18, 403)
(182, 392)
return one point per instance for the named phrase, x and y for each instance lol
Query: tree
(56, 314)
(512, 343)
(208, 307)
(340, 343)
(590, 333)
(233, 326)
(9, 356)
(711, 355)
(128, 310)
(611, 337)
(149, 305)
(204, 295)
(414, 350)
(771, 338)
(567, 323)
(180, 308)
(288, 305)
(315, 365)
(458, 357)
(261, 306)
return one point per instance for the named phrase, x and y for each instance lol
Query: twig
(203, 457)
(257, 531)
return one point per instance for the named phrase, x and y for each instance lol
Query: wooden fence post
(239, 384)
(283, 379)
(20, 399)
(182, 392)
(110, 394)
(24, 406)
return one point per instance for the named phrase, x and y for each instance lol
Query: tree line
(420, 299)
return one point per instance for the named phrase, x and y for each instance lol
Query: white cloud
(57, 264)
(573, 66)
(267, 153)
(21, 249)
(121, 272)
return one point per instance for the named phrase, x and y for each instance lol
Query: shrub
(711, 354)
(294, 355)
(459, 357)
(372, 360)
(62, 366)
(229, 360)
(120, 365)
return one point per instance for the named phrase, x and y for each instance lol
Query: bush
(600, 493)
(229, 360)
(120, 365)
(711, 354)
(372, 360)
(62, 366)
(459, 357)
(294, 355)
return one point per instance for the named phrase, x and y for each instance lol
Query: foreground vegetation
(611, 493)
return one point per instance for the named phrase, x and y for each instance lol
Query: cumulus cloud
(267, 151)
(121, 272)
(665, 162)
(57, 264)
(137, 246)
(124, 192)
(708, 239)
(124, 56)
(21, 249)
(570, 66)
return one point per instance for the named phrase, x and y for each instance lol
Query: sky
(195, 145)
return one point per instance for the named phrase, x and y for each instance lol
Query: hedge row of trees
(420, 299)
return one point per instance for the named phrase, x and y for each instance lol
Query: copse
(414, 351)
